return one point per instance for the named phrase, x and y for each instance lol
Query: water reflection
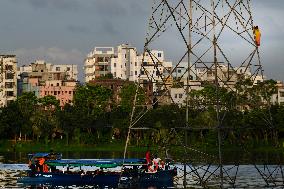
(247, 177)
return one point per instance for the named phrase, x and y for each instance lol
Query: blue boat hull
(161, 179)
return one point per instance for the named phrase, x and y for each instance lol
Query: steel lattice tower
(218, 45)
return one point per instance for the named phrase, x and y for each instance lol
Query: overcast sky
(65, 31)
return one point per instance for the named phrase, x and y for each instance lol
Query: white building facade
(125, 65)
(8, 79)
(98, 63)
(124, 62)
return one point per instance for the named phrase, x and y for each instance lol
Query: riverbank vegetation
(95, 120)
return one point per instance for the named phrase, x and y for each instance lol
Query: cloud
(53, 54)
(110, 8)
(53, 4)
(78, 29)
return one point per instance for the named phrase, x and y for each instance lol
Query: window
(45, 93)
(68, 68)
(135, 63)
(114, 65)
(57, 84)
(100, 59)
(179, 71)
(55, 92)
(58, 92)
(10, 93)
(144, 63)
(9, 85)
(51, 85)
(159, 54)
(142, 72)
(69, 101)
(180, 95)
(9, 76)
(125, 55)
(131, 73)
(57, 69)
(9, 67)
(281, 94)
(135, 72)
(114, 74)
(176, 95)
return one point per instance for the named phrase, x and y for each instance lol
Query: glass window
(114, 65)
(57, 68)
(68, 68)
(10, 93)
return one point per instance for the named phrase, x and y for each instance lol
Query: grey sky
(64, 31)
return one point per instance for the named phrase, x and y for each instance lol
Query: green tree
(127, 95)
(91, 102)
(27, 104)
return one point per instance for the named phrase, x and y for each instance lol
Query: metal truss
(218, 45)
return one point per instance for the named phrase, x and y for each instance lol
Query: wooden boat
(111, 173)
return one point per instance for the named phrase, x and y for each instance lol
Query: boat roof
(44, 155)
(101, 163)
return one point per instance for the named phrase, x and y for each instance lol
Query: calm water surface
(13, 166)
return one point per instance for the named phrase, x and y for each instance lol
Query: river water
(243, 176)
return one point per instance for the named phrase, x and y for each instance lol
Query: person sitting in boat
(41, 167)
(154, 167)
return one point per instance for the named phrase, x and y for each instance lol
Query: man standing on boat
(148, 157)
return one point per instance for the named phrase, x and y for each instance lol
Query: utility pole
(189, 45)
(217, 94)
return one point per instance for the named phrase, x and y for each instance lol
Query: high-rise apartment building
(98, 63)
(155, 69)
(8, 79)
(125, 65)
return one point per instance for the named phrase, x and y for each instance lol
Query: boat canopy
(101, 163)
(45, 155)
